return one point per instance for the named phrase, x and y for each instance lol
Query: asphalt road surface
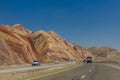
(94, 71)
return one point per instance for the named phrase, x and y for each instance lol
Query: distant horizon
(85, 22)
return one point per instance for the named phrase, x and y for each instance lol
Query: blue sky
(85, 22)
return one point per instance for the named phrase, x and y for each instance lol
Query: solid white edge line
(117, 67)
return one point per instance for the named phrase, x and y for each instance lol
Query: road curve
(95, 71)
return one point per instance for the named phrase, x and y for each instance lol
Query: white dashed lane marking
(83, 76)
(90, 70)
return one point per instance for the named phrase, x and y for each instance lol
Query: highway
(13, 69)
(94, 71)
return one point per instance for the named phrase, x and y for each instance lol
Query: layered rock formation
(85, 51)
(20, 46)
(15, 46)
(52, 47)
(100, 54)
(105, 53)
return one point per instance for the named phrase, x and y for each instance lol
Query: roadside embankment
(29, 72)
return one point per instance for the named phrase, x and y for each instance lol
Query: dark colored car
(35, 63)
(89, 59)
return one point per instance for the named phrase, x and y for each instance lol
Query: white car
(36, 63)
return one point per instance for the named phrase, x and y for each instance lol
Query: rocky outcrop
(52, 47)
(15, 48)
(19, 29)
(106, 53)
(84, 51)
(20, 46)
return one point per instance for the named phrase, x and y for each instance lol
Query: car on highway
(56, 62)
(89, 59)
(36, 63)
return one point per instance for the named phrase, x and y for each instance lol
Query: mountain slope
(85, 51)
(20, 46)
(15, 48)
(52, 47)
(106, 53)
(19, 29)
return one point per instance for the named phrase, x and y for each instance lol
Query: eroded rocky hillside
(15, 46)
(20, 46)
(100, 54)
(105, 53)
